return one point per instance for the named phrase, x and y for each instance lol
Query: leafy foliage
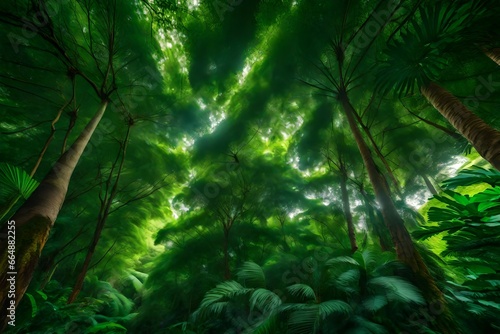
(470, 227)
(15, 181)
(230, 214)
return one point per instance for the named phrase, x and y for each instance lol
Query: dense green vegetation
(246, 166)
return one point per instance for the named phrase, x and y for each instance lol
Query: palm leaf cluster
(105, 310)
(345, 294)
(470, 225)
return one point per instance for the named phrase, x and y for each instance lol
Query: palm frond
(304, 320)
(347, 278)
(398, 289)
(331, 307)
(342, 260)
(375, 303)
(251, 274)
(264, 300)
(302, 291)
(223, 291)
(364, 325)
(473, 175)
(15, 181)
(269, 325)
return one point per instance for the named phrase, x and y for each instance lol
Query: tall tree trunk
(405, 250)
(379, 154)
(102, 217)
(282, 219)
(90, 253)
(227, 269)
(493, 54)
(347, 210)
(35, 218)
(376, 222)
(484, 138)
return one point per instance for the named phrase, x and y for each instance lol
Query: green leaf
(42, 294)
(398, 289)
(348, 277)
(106, 327)
(302, 290)
(342, 259)
(337, 307)
(472, 176)
(375, 303)
(225, 290)
(366, 326)
(487, 205)
(489, 303)
(492, 219)
(268, 325)
(304, 320)
(34, 307)
(15, 181)
(264, 300)
(251, 274)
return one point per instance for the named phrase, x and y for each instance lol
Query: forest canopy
(249, 166)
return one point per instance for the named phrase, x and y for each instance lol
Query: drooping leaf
(302, 291)
(252, 275)
(398, 289)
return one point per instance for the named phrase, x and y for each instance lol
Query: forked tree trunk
(35, 218)
(405, 250)
(484, 138)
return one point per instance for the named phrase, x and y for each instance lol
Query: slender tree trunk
(48, 277)
(429, 184)
(49, 139)
(35, 218)
(449, 132)
(484, 138)
(281, 219)
(405, 250)
(493, 54)
(379, 154)
(102, 218)
(347, 211)
(72, 122)
(227, 270)
(90, 253)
